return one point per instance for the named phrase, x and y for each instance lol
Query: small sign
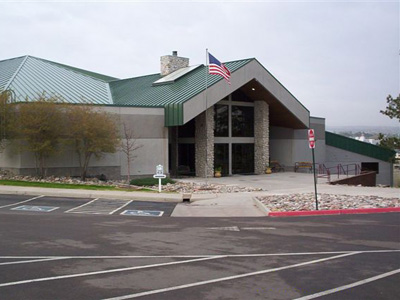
(35, 208)
(160, 170)
(159, 176)
(311, 138)
(143, 213)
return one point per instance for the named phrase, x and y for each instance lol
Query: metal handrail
(323, 171)
(340, 169)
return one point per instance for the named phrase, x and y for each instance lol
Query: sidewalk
(220, 204)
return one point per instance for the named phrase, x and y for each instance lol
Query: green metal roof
(30, 76)
(140, 91)
(352, 145)
(7, 70)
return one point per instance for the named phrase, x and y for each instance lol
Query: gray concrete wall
(9, 158)
(281, 145)
(301, 149)
(335, 156)
(149, 132)
(289, 146)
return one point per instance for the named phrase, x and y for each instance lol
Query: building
(185, 119)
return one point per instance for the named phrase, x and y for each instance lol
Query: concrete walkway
(292, 183)
(220, 205)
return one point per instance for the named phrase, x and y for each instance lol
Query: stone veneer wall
(171, 63)
(204, 139)
(261, 136)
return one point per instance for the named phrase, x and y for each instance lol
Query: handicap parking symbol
(35, 208)
(143, 213)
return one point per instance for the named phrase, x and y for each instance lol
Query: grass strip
(150, 181)
(66, 186)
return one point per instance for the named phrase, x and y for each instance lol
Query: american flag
(217, 68)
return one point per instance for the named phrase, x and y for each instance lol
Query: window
(242, 121)
(242, 158)
(186, 163)
(221, 157)
(221, 118)
(370, 166)
(187, 130)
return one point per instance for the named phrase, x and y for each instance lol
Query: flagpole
(206, 165)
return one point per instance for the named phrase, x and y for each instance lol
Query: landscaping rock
(305, 202)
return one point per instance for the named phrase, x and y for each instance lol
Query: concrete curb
(261, 206)
(140, 196)
(333, 212)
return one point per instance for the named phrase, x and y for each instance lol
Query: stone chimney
(171, 63)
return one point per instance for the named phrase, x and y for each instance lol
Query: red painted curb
(333, 212)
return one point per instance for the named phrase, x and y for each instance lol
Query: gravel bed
(179, 187)
(197, 188)
(305, 202)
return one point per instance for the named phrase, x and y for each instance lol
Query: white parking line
(100, 206)
(349, 286)
(205, 255)
(108, 271)
(31, 261)
(81, 205)
(120, 207)
(184, 286)
(8, 205)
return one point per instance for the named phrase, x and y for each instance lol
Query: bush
(150, 181)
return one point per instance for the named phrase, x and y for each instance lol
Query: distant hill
(391, 130)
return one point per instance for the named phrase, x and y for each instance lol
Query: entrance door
(242, 158)
(221, 158)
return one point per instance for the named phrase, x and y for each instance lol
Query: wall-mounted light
(253, 89)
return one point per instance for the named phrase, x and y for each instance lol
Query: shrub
(150, 181)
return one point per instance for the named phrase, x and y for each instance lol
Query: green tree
(389, 142)
(392, 111)
(393, 107)
(92, 133)
(38, 128)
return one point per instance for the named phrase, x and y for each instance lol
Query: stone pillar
(204, 139)
(261, 136)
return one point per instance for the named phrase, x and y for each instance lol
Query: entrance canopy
(257, 84)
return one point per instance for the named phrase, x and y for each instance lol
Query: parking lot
(97, 206)
(88, 250)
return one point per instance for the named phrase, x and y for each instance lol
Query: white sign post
(160, 175)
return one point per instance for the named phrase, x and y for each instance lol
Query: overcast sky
(340, 59)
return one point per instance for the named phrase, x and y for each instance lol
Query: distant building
(363, 139)
(186, 119)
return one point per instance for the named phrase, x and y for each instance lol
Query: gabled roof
(140, 91)
(182, 98)
(352, 145)
(29, 77)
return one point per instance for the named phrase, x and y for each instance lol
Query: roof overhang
(285, 110)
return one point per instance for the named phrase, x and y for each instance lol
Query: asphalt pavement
(60, 255)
